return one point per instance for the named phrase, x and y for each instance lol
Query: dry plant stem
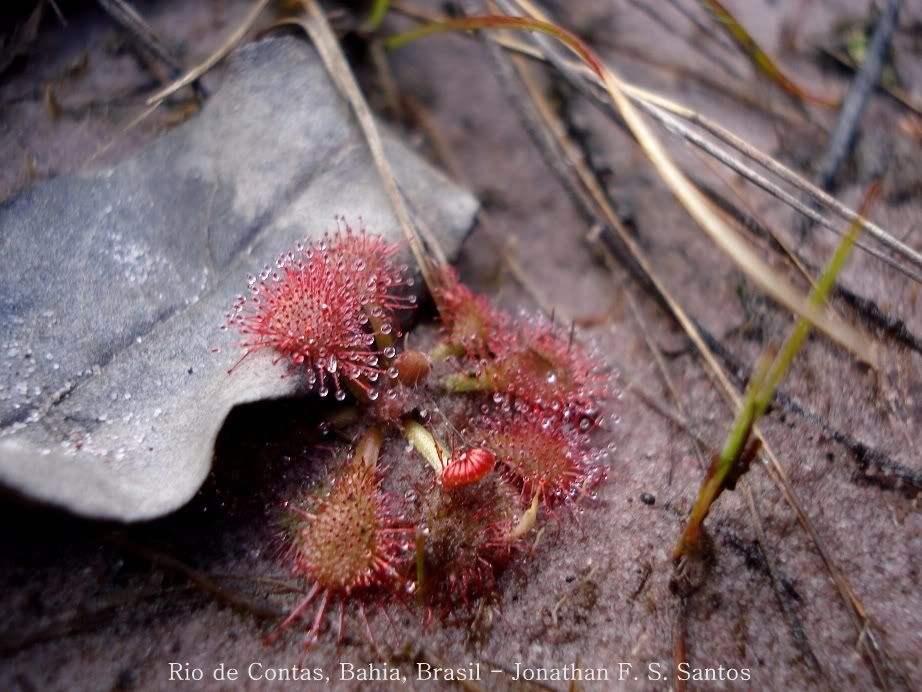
(747, 96)
(199, 579)
(784, 603)
(386, 79)
(759, 58)
(131, 21)
(578, 74)
(330, 52)
(858, 96)
(694, 202)
(673, 416)
(212, 60)
(664, 372)
(692, 42)
(134, 122)
(717, 38)
(530, 285)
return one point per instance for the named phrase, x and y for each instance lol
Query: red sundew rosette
(472, 327)
(546, 457)
(350, 545)
(319, 311)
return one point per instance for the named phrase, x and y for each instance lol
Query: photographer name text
(257, 671)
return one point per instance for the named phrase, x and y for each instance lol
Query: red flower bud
(468, 468)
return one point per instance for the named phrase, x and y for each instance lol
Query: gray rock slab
(114, 283)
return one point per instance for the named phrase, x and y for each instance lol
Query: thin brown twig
(699, 46)
(449, 162)
(217, 56)
(798, 634)
(332, 56)
(203, 581)
(744, 96)
(148, 39)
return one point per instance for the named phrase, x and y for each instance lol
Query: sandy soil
(85, 611)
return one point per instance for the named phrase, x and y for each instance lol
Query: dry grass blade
(659, 105)
(692, 41)
(759, 58)
(213, 59)
(671, 124)
(740, 92)
(776, 167)
(730, 242)
(126, 15)
(773, 283)
(322, 36)
(704, 214)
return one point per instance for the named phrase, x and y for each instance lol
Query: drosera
(349, 543)
(327, 307)
(545, 457)
(524, 398)
(468, 540)
(472, 327)
(380, 283)
(470, 524)
(540, 366)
